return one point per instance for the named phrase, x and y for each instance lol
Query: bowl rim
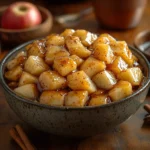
(43, 9)
(26, 100)
(139, 36)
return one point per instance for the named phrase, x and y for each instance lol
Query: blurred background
(106, 10)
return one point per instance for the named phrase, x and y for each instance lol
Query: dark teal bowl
(77, 122)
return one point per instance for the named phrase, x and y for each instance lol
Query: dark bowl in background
(13, 37)
(119, 14)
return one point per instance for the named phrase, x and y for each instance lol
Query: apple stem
(23, 8)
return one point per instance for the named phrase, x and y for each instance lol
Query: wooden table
(132, 134)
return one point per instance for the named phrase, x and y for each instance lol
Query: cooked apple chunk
(67, 32)
(118, 65)
(53, 51)
(120, 48)
(29, 91)
(22, 53)
(36, 48)
(105, 80)
(76, 98)
(51, 80)
(110, 38)
(86, 37)
(100, 40)
(14, 74)
(133, 75)
(35, 65)
(80, 81)
(62, 53)
(104, 39)
(77, 59)
(64, 65)
(75, 47)
(92, 66)
(15, 62)
(53, 98)
(121, 90)
(27, 78)
(104, 53)
(98, 100)
(55, 39)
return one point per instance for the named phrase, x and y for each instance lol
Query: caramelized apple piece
(29, 91)
(92, 66)
(35, 65)
(121, 90)
(75, 47)
(51, 80)
(105, 80)
(14, 74)
(80, 81)
(103, 52)
(76, 98)
(64, 65)
(53, 98)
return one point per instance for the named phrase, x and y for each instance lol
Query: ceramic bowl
(76, 122)
(142, 42)
(19, 36)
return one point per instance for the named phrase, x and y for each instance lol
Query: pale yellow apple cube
(133, 75)
(15, 62)
(103, 52)
(80, 81)
(75, 47)
(120, 48)
(53, 51)
(53, 98)
(105, 80)
(37, 48)
(118, 65)
(121, 90)
(64, 65)
(76, 98)
(35, 65)
(14, 74)
(86, 37)
(55, 39)
(29, 91)
(104, 39)
(67, 32)
(77, 59)
(51, 80)
(27, 78)
(92, 66)
(98, 100)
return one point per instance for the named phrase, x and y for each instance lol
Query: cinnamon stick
(147, 108)
(24, 138)
(15, 136)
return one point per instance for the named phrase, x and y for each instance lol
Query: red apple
(21, 15)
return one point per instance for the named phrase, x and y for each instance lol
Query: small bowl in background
(142, 42)
(13, 37)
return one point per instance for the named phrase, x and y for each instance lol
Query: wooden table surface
(132, 134)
